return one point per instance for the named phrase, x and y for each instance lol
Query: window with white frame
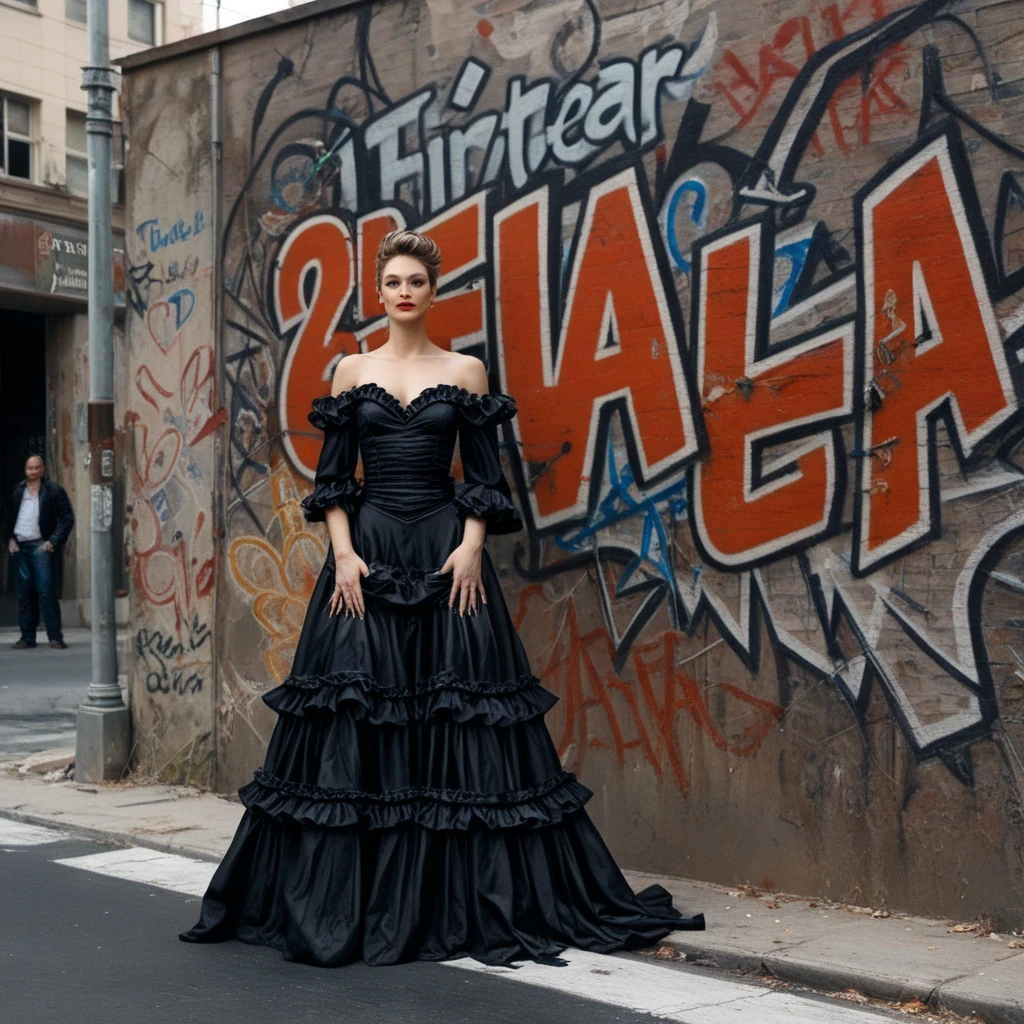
(145, 21)
(76, 151)
(75, 10)
(15, 137)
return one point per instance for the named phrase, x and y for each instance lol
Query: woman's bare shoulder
(347, 373)
(471, 373)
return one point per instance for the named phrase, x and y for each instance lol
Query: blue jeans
(33, 568)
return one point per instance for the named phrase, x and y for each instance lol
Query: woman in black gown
(411, 804)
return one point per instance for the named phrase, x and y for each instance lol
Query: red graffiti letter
(457, 319)
(744, 509)
(322, 245)
(931, 344)
(617, 345)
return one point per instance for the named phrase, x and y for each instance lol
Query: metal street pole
(104, 725)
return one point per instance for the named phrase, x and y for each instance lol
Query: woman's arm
(466, 560)
(349, 568)
(474, 531)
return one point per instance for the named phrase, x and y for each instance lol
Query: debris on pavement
(914, 1007)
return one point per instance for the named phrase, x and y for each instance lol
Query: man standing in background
(41, 517)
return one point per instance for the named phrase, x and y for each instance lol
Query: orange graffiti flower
(279, 578)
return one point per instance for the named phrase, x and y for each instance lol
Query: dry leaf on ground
(914, 1006)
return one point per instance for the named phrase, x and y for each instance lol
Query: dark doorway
(22, 416)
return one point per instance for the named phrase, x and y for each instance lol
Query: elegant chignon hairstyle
(409, 243)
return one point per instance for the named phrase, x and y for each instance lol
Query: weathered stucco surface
(170, 414)
(753, 272)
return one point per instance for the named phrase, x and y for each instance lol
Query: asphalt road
(80, 946)
(40, 690)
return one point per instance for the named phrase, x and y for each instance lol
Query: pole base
(102, 743)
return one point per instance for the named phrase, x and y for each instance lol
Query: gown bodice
(407, 461)
(407, 454)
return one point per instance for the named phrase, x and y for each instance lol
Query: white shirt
(27, 526)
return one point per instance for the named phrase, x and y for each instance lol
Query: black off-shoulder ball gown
(411, 804)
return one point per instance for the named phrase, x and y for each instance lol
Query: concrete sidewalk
(822, 945)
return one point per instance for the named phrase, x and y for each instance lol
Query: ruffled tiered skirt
(411, 804)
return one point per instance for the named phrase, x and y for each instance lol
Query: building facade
(753, 271)
(44, 245)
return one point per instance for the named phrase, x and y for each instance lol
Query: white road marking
(675, 995)
(17, 833)
(686, 997)
(150, 867)
(783, 1008)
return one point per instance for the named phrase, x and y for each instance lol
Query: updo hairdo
(413, 244)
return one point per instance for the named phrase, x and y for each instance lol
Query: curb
(703, 954)
(109, 837)
(990, 1011)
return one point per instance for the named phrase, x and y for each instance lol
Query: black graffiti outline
(769, 180)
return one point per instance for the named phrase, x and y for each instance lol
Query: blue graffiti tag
(619, 504)
(796, 252)
(184, 302)
(154, 237)
(698, 214)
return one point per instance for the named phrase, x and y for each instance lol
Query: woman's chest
(425, 425)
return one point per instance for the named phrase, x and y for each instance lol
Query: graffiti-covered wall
(169, 417)
(754, 273)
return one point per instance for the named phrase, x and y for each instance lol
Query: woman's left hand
(465, 562)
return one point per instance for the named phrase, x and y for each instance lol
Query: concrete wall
(169, 411)
(752, 272)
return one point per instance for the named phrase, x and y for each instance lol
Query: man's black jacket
(56, 517)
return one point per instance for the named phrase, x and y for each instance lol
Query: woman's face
(405, 289)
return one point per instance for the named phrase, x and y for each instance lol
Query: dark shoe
(58, 645)
(22, 646)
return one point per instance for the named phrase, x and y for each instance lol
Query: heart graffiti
(166, 318)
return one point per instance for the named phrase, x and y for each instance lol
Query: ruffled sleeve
(335, 483)
(485, 491)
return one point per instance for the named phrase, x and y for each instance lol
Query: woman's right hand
(348, 591)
